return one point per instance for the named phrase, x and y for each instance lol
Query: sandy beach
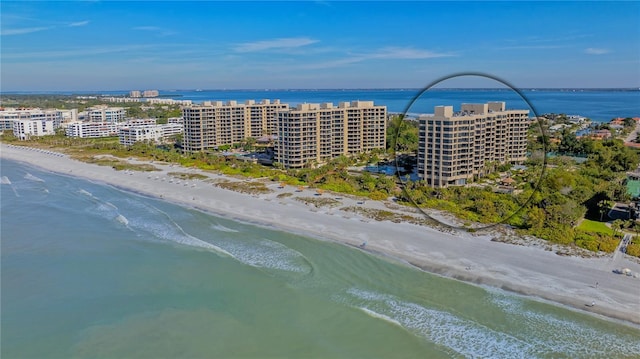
(532, 270)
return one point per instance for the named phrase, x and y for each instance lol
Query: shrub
(378, 195)
(633, 249)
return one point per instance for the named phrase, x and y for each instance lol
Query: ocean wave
(565, 336)
(122, 219)
(377, 315)
(31, 177)
(145, 218)
(268, 254)
(5, 180)
(460, 336)
(86, 193)
(221, 228)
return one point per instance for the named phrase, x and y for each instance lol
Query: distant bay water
(89, 270)
(598, 105)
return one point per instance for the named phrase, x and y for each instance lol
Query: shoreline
(531, 271)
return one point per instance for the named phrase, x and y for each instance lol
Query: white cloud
(405, 53)
(29, 30)
(147, 28)
(79, 23)
(282, 43)
(596, 51)
(26, 30)
(531, 47)
(387, 53)
(73, 53)
(158, 30)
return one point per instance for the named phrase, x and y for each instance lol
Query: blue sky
(108, 45)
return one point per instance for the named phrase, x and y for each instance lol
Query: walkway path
(633, 134)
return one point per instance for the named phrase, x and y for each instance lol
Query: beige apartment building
(215, 123)
(456, 147)
(103, 113)
(312, 134)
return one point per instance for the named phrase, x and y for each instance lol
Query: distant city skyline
(93, 45)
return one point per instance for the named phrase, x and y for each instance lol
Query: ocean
(598, 105)
(89, 270)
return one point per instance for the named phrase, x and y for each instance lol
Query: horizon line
(35, 92)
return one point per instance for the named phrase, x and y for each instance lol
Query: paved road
(634, 134)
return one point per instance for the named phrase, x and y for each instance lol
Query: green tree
(616, 226)
(535, 218)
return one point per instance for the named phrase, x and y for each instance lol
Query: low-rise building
(103, 113)
(26, 128)
(92, 129)
(68, 116)
(120, 99)
(140, 122)
(128, 135)
(169, 101)
(9, 115)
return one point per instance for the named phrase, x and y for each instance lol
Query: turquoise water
(92, 271)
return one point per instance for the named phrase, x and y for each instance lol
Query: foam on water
(5, 180)
(86, 193)
(260, 253)
(460, 336)
(268, 254)
(565, 336)
(122, 219)
(152, 220)
(380, 316)
(146, 219)
(222, 228)
(31, 177)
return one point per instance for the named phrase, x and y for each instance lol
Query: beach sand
(532, 270)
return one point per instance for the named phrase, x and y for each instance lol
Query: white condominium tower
(215, 123)
(315, 133)
(456, 147)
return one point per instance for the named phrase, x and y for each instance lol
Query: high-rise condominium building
(315, 133)
(150, 93)
(455, 147)
(215, 123)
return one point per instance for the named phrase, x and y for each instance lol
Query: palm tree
(603, 207)
(616, 226)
